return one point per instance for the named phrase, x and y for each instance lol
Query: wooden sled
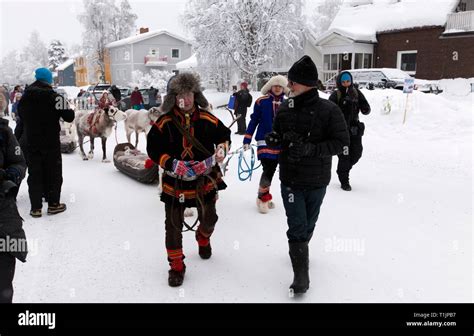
(135, 164)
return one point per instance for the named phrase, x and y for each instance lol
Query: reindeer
(97, 124)
(140, 121)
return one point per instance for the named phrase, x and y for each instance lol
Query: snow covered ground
(404, 234)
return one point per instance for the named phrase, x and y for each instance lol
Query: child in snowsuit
(261, 120)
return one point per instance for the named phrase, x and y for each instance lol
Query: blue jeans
(302, 211)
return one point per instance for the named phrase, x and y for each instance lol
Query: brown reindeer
(97, 124)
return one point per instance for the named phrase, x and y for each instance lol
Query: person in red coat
(106, 101)
(136, 100)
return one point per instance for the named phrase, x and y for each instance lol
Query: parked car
(99, 87)
(385, 78)
(391, 78)
(89, 100)
(125, 92)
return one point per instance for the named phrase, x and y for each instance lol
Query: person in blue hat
(40, 110)
(351, 101)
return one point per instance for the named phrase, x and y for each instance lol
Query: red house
(429, 39)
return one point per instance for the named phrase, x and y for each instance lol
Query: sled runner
(135, 164)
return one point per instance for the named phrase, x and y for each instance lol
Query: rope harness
(244, 169)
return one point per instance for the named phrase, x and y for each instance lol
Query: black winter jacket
(243, 100)
(13, 163)
(351, 100)
(318, 121)
(40, 110)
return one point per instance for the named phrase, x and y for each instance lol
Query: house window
(363, 61)
(153, 52)
(358, 62)
(327, 61)
(406, 61)
(175, 53)
(367, 61)
(334, 62)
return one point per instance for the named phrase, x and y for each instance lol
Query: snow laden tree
(104, 23)
(56, 54)
(249, 33)
(123, 22)
(11, 68)
(323, 16)
(34, 55)
(156, 78)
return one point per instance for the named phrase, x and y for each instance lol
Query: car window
(361, 76)
(376, 76)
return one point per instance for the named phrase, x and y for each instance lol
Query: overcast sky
(55, 19)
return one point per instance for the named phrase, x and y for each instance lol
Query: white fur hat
(276, 80)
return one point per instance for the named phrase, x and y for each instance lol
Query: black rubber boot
(344, 179)
(346, 187)
(299, 255)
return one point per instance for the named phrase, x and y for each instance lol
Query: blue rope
(246, 172)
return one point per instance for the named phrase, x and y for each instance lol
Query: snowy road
(403, 235)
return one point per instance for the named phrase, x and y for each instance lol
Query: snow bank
(457, 86)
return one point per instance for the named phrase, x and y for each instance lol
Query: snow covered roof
(188, 63)
(362, 22)
(65, 65)
(144, 36)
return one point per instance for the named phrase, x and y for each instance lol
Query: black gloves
(273, 139)
(301, 150)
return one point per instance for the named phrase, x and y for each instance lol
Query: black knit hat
(304, 72)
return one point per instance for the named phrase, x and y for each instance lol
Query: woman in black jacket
(351, 101)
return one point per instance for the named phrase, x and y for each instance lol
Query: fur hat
(276, 80)
(182, 83)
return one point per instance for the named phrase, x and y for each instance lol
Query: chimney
(144, 30)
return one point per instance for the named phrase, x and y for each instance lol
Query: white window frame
(399, 60)
(179, 50)
(157, 52)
